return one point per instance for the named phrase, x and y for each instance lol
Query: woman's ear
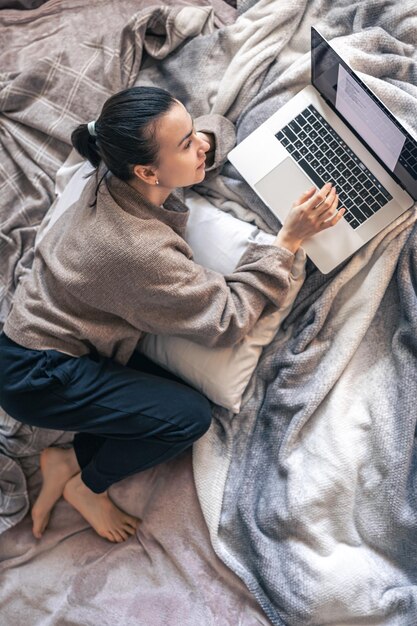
(145, 174)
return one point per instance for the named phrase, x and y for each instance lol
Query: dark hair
(125, 130)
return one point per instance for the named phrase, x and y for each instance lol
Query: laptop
(335, 130)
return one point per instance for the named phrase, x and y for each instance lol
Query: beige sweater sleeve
(159, 289)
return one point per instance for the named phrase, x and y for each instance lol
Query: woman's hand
(314, 211)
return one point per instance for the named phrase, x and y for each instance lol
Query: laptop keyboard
(324, 157)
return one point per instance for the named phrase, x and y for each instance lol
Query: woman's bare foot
(107, 519)
(58, 465)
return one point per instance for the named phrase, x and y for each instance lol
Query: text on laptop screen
(363, 112)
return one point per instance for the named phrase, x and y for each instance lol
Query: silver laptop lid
(363, 112)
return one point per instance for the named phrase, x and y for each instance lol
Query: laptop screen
(364, 113)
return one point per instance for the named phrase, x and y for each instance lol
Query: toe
(36, 533)
(131, 521)
(129, 529)
(40, 521)
(44, 525)
(36, 526)
(118, 536)
(123, 533)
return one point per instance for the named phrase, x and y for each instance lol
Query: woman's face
(182, 153)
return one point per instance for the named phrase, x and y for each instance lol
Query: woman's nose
(204, 146)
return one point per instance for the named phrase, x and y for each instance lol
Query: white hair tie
(92, 128)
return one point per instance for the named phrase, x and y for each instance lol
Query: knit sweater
(105, 274)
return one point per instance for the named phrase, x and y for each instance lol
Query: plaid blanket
(46, 89)
(56, 74)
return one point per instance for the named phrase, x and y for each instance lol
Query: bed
(301, 508)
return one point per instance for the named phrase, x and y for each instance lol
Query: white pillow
(218, 241)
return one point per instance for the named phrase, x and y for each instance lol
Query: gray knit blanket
(309, 492)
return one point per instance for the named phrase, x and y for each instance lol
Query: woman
(116, 265)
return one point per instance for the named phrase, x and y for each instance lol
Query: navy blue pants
(127, 418)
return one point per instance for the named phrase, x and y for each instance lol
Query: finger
(305, 196)
(329, 200)
(319, 197)
(329, 206)
(329, 223)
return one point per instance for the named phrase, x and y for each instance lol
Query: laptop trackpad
(283, 186)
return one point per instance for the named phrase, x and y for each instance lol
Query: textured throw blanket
(309, 492)
(314, 483)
